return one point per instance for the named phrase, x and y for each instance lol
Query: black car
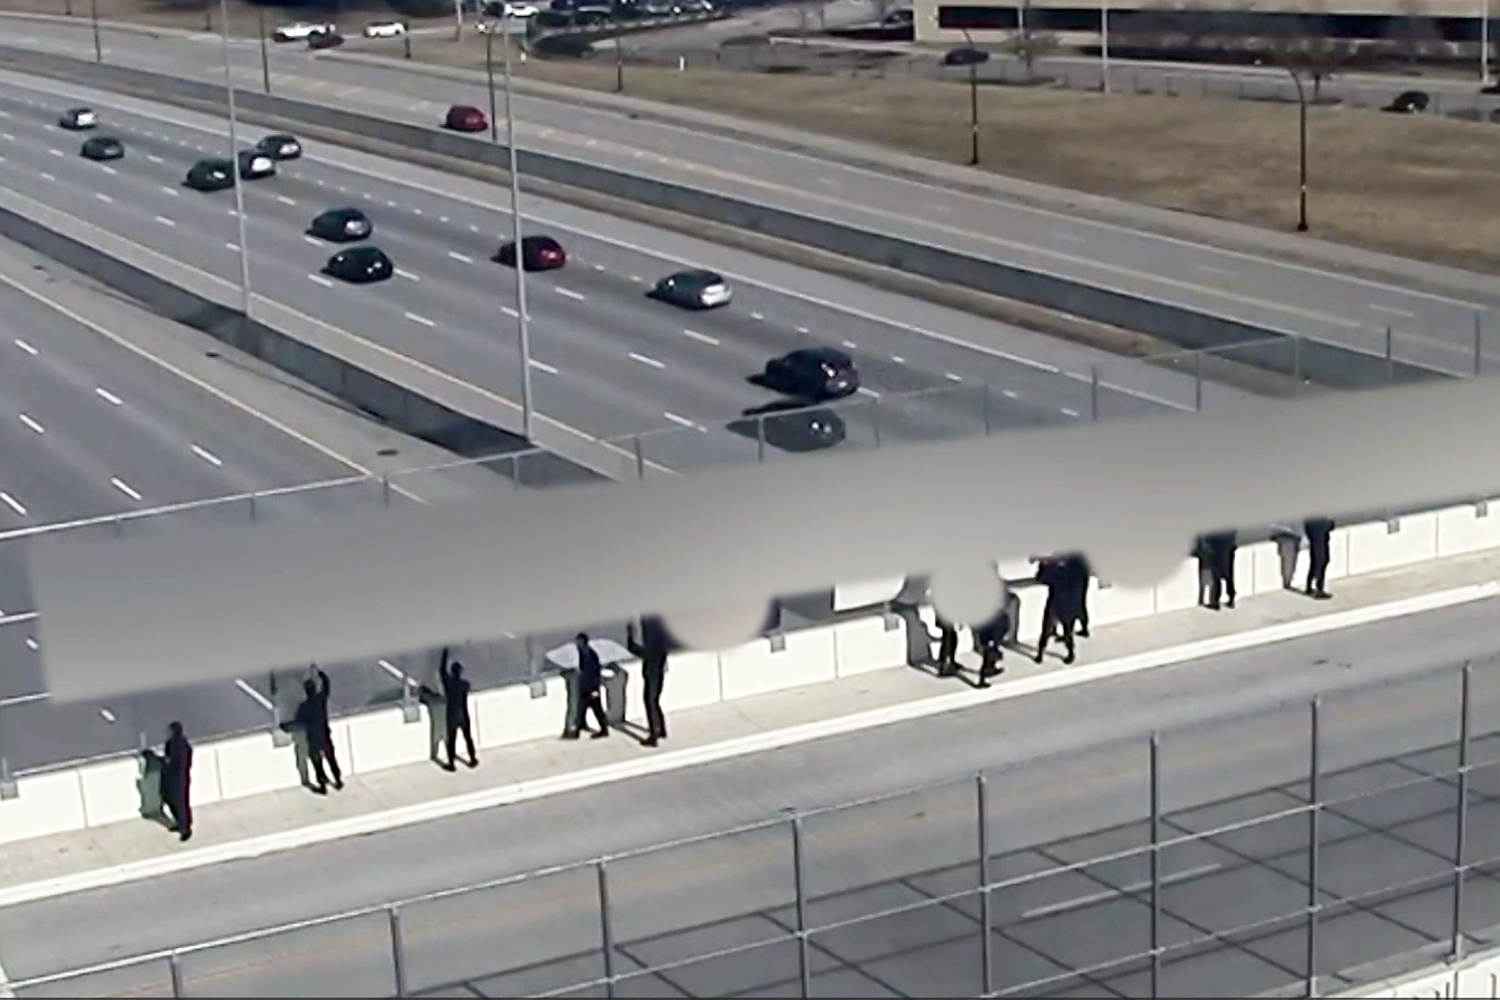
(538, 253)
(791, 426)
(280, 146)
(102, 147)
(1408, 102)
(211, 175)
(341, 225)
(254, 165)
(360, 265)
(692, 290)
(813, 373)
(78, 119)
(324, 40)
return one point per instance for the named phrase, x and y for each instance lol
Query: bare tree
(1028, 44)
(1303, 44)
(1415, 32)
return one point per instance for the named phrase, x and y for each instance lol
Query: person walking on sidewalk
(947, 657)
(988, 639)
(177, 780)
(1077, 572)
(1061, 610)
(456, 710)
(590, 680)
(652, 648)
(1221, 547)
(312, 719)
(1319, 537)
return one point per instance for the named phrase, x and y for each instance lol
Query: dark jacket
(455, 693)
(312, 714)
(652, 647)
(1063, 596)
(590, 670)
(177, 765)
(1318, 527)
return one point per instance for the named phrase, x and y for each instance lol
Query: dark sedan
(324, 40)
(538, 253)
(211, 175)
(360, 265)
(692, 290)
(790, 426)
(341, 225)
(102, 147)
(78, 119)
(813, 373)
(280, 146)
(465, 118)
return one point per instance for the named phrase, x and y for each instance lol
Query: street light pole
(234, 165)
(94, 17)
(265, 62)
(489, 73)
(1484, 41)
(458, 20)
(1302, 153)
(1104, 44)
(619, 59)
(515, 217)
(973, 115)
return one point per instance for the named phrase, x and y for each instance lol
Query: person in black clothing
(1061, 609)
(1319, 534)
(1221, 546)
(652, 648)
(590, 679)
(987, 642)
(312, 719)
(947, 658)
(1077, 572)
(456, 710)
(177, 780)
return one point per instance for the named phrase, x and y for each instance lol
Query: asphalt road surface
(1273, 293)
(1046, 813)
(607, 360)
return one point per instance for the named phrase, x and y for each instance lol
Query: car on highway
(692, 290)
(341, 225)
(300, 30)
(254, 165)
(538, 253)
(385, 29)
(792, 426)
(279, 146)
(465, 118)
(324, 40)
(360, 265)
(78, 119)
(813, 373)
(518, 10)
(213, 174)
(102, 147)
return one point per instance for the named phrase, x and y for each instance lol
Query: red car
(466, 118)
(538, 253)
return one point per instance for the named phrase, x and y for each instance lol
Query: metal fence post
(174, 964)
(760, 440)
(1197, 381)
(1297, 365)
(1390, 354)
(876, 404)
(1094, 393)
(1155, 778)
(640, 458)
(385, 489)
(804, 966)
(606, 935)
(398, 950)
(984, 404)
(1478, 344)
(1315, 807)
(1462, 821)
(515, 471)
(986, 976)
(252, 506)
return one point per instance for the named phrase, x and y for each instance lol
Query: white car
(385, 29)
(301, 31)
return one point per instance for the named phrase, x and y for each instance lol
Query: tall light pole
(1484, 41)
(234, 165)
(1104, 44)
(515, 218)
(489, 73)
(619, 55)
(1301, 152)
(970, 57)
(265, 62)
(458, 20)
(94, 17)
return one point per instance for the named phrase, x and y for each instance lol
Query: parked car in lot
(692, 289)
(213, 174)
(385, 29)
(102, 147)
(78, 119)
(497, 8)
(360, 265)
(1408, 102)
(465, 118)
(538, 253)
(324, 40)
(813, 373)
(341, 225)
(301, 30)
(280, 146)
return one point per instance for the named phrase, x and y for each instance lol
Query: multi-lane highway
(606, 359)
(1046, 813)
(1270, 291)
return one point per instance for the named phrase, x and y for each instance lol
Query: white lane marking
(1108, 894)
(850, 344)
(645, 360)
(208, 456)
(416, 211)
(683, 421)
(898, 359)
(952, 377)
(23, 345)
(443, 219)
(473, 228)
(29, 422)
(1069, 413)
(757, 316)
(320, 280)
(108, 396)
(407, 275)
(636, 278)
(55, 152)
(234, 213)
(124, 487)
(165, 221)
(390, 204)
(169, 190)
(103, 197)
(47, 177)
(32, 644)
(368, 196)
(107, 715)
(285, 200)
(543, 366)
(1070, 237)
(509, 312)
(12, 503)
(420, 319)
(108, 169)
(1010, 394)
(231, 246)
(308, 239)
(255, 695)
(1209, 268)
(702, 338)
(461, 256)
(803, 329)
(568, 292)
(154, 158)
(867, 391)
(8, 137)
(598, 267)
(1392, 310)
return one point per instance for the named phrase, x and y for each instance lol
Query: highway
(606, 359)
(1046, 811)
(1276, 293)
